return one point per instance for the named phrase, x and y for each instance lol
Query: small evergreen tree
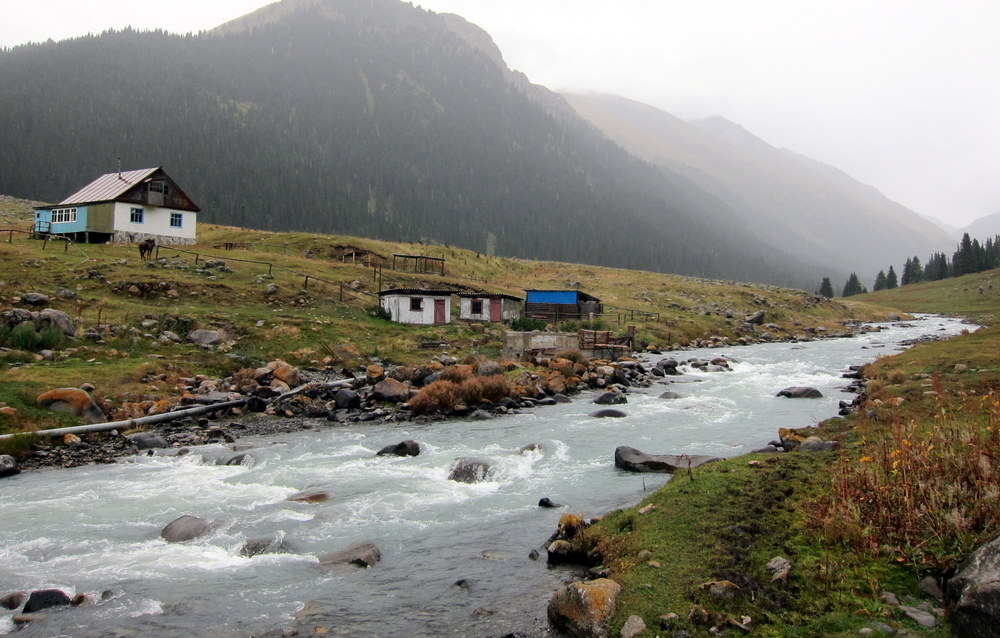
(826, 288)
(891, 281)
(881, 281)
(853, 286)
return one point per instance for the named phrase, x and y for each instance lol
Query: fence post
(269, 270)
(305, 286)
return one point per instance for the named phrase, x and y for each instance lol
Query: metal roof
(108, 187)
(488, 295)
(416, 291)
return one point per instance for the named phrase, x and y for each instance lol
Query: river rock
(347, 399)
(800, 392)
(468, 470)
(670, 394)
(611, 398)
(816, 444)
(756, 319)
(8, 465)
(632, 460)
(185, 528)
(391, 391)
(147, 440)
(257, 546)
(309, 497)
(72, 401)
(489, 369)
(44, 599)
(583, 609)
(608, 413)
(973, 593)
(364, 554)
(403, 448)
(634, 626)
(14, 600)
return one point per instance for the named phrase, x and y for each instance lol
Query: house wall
(509, 309)
(516, 344)
(399, 309)
(63, 227)
(156, 224)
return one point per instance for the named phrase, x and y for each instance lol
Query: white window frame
(63, 215)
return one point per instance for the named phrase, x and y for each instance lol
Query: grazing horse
(146, 247)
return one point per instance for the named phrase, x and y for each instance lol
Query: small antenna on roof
(119, 168)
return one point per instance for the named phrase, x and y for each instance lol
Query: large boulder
(608, 413)
(206, 338)
(583, 609)
(35, 299)
(391, 391)
(632, 460)
(973, 593)
(44, 599)
(347, 399)
(800, 392)
(72, 401)
(185, 528)
(52, 318)
(468, 470)
(408, 447)
(8, 465)
(488, 369)
(756, 319)
(364, 554)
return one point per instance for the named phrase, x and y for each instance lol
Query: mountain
(810, 209)
(372, 118)
(982, 228)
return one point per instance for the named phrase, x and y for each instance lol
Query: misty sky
(901, 94)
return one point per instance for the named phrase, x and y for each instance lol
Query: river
(96, 529)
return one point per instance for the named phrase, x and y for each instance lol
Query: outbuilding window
(477, 306)
(416, 304)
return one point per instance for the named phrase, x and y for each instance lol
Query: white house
(124, 207)
(410, 305)
(488, 306)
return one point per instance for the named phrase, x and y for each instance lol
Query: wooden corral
(355, 255)
(420, 264)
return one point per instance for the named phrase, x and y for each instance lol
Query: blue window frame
(176, 220)
(136, 215)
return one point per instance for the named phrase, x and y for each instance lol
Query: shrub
(455, 374)
(378, 312)
(51, 338)
(495, 388)
(24, 337)
(19, 446)
(440, 396)
(573, 355)
(471, 391)
(527, 324)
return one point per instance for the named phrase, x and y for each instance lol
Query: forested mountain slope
(363, 117)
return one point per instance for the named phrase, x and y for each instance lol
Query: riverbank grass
(725, 522)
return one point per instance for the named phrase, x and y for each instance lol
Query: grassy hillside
(910, 494)
(304, 319)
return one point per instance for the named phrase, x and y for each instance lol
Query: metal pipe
(131, 423)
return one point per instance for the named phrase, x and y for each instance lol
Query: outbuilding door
(439, 311)
(496, 310)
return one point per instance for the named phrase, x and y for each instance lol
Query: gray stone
(44, 599)
(206, 338)
(468, 470)
(52, 318)
(8, 465)
(258, 546)
(973, 593)
(926, 619)
(347, 399)
(611, 398)
(391, 391)
(408, 447)
(488, 368)
(632, 460)
(147, 440)
(35, 299)
(364, 554)
(608, 413)
(816, 444)
(800, 392)
(929, 585)
(185, 528)
(633, 627)
(670, 394)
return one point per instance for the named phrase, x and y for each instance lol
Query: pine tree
(891, 281)
(853, 286)
(881, 281)
(826, 288)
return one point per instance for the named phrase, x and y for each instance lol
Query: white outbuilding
(415, 306)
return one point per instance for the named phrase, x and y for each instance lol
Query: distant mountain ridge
(380, 119)
(792, 201)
